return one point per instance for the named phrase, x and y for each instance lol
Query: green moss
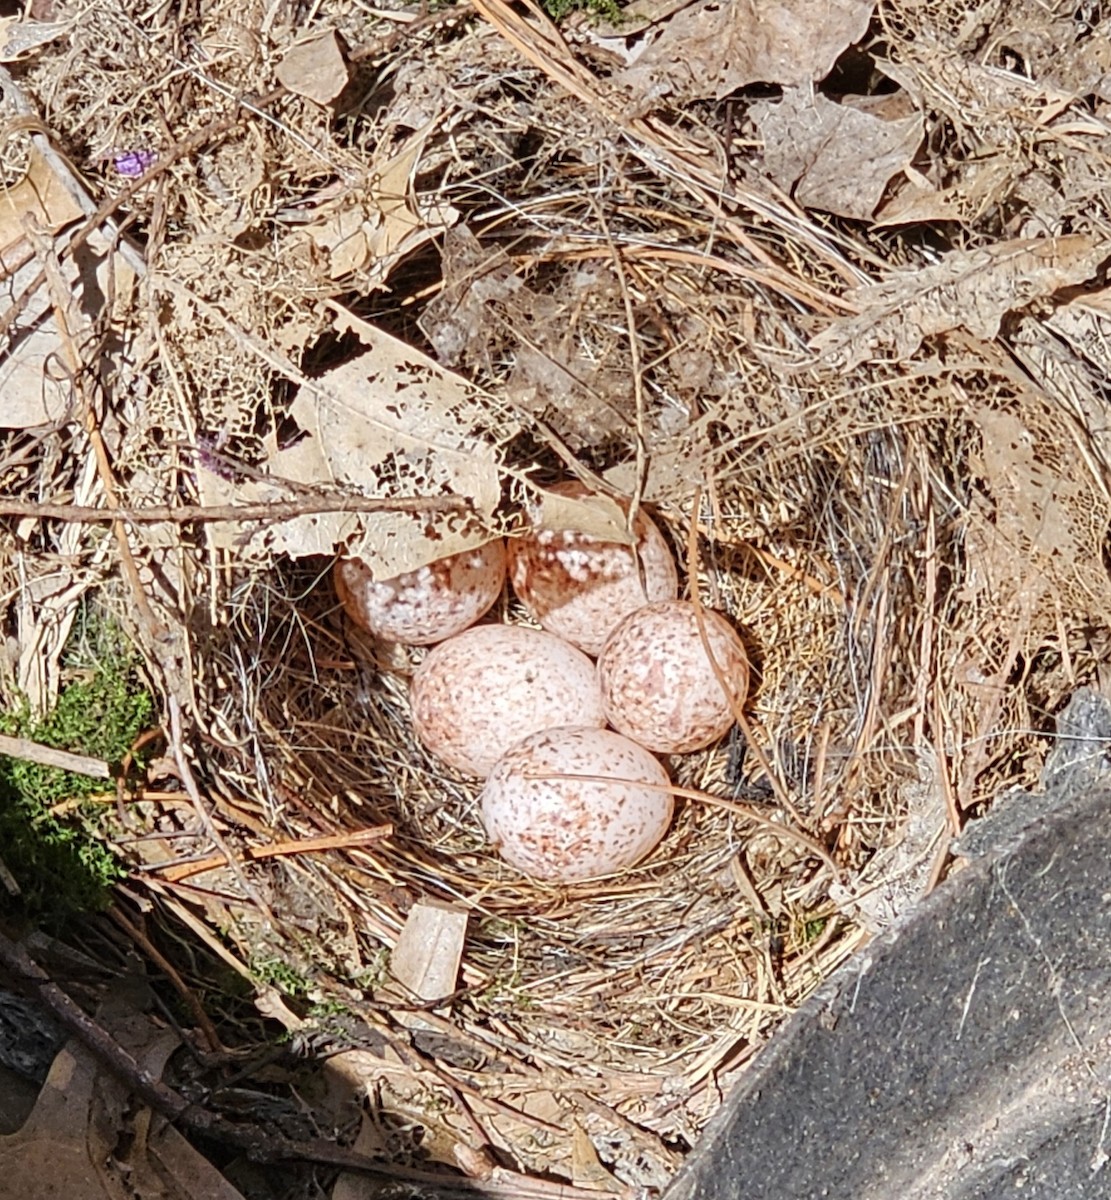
(60, 861)
(813, 929)
(279, 974)
(604, 10)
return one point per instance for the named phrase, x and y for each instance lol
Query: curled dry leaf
(967, 289)
(714, 48)
(32, 395)
(832, 156)
(21, 39)
(979, 183)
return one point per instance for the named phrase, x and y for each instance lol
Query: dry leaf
(1032, 502)
(979, 184)
(374, 232)
(32, 393)
(315, 68)
(19, 39)
(716, 47)
(587, 1169)
(56, 1146)
(84, 1140)
(967, 289)
(596, 516)
(430, 948)
(388, 423)
(39, 194)
(831, 156)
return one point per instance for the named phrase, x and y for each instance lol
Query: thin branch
(48, 756)
(273, 510)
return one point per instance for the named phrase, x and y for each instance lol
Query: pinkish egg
(658, 685)
(428, 604)
(566, 829)
(578, 587)
(485, 689)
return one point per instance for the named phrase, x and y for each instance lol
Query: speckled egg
(578, 587)
(658, 685)
(566, 829)
(485, 689)
(427, 605)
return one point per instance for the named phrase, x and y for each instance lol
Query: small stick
(48, 756)
(139, 937)
(9, 880)
(272, 510)
(189, 782)
(341, 841)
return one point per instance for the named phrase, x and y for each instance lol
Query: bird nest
(394, 278)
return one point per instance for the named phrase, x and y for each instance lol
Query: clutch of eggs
(565, 799)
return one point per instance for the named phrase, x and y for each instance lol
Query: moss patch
(49, 839)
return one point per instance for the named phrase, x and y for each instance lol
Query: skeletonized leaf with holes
(970, 290)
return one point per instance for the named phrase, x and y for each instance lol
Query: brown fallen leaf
(387, 423)
(56, 1153)
(587, 1169)
(43, 203)
(430, 948)
(832, 156)
(972, 290)
(315, 68)
(979, 183)
(1033, 503)
(20, 38)
(84, 1139)
(713, 48)
(374, 230)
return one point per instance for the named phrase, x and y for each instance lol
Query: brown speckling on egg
(567, 829)
(658, 685)
(579, 587)
(482, 691)
(426, 605)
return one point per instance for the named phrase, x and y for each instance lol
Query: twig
(274, 510)
(48, 756)
(189, 782)
(139, 937)
(340, 841)
(9, 881)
